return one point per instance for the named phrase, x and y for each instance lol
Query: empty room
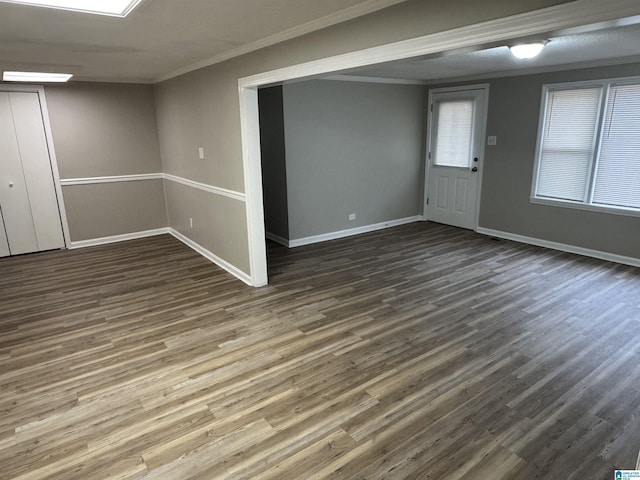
(351, 239)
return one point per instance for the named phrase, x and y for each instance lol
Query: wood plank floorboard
(417, 352)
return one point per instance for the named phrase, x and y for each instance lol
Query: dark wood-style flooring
(418, 352)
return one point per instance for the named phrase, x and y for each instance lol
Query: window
(454, 133)
(589, 146)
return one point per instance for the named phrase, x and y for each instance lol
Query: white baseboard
(298, 242)
(118, 238)
(587, 252)
(162, 231)
(236, 272)
(277, 239)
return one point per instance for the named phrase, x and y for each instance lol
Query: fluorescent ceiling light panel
(527, 50)
(36, 77)
(117, 8)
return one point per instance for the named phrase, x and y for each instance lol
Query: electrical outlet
(190, 222)
(352, 216)
(492, 140)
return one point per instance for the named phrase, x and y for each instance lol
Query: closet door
(14, 199)
(4, 245)
(27, 195)
(36, 165)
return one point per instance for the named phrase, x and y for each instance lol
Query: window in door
(454, 133)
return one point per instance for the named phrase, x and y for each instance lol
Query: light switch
(492, 140)
(201, 153)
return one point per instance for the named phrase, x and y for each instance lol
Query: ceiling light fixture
(527, 50)
(36, 77)
(114, 8)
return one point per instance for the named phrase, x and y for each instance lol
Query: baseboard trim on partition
(92, 242)
(587, 252)
(298, 242)
(277, 239)
(236, 272)
(162, 231)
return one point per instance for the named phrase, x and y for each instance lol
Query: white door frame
(538, 22)
(52, 152)
(483, 137)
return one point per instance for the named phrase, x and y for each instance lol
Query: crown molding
(350, 13)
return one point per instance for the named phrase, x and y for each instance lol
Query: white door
(4, 245)
(456, 147)
(28, 197)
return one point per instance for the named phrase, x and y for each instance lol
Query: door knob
(474, 169)
(10, 184)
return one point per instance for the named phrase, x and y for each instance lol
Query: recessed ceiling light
(117, 8)
(527, 50)
(36, 77)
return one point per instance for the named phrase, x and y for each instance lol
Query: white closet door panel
(14, 199)
(4, 244)
(32, 142)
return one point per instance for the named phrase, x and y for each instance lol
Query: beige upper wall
(201, 110)
(103, 129)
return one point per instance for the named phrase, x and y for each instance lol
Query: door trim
(483, 137)
(52, 152)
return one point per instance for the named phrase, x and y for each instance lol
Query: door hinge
(429, 155)
(431, 108)
(427, 200)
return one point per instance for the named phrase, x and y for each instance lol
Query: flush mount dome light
(527, 50)
(36, 77)
(114, 8)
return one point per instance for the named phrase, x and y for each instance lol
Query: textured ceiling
(160, 36)
(599, 47)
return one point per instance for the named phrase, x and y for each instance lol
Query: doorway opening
(566, 17)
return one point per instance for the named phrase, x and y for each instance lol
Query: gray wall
(107, 209)
(103, 130)
(514, 105)
(352, 147)
(273, 155)
(211, 225)
(202, 107)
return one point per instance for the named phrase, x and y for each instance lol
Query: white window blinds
(567, 144)
(618, 172)
(454, 133)
(589, 146)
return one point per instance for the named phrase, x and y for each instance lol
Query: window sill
(629, 212)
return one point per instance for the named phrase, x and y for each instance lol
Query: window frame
(586, 204)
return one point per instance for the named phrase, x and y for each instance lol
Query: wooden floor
(419, 352)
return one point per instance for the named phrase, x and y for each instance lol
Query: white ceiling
(595, 46)
(160, 37)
